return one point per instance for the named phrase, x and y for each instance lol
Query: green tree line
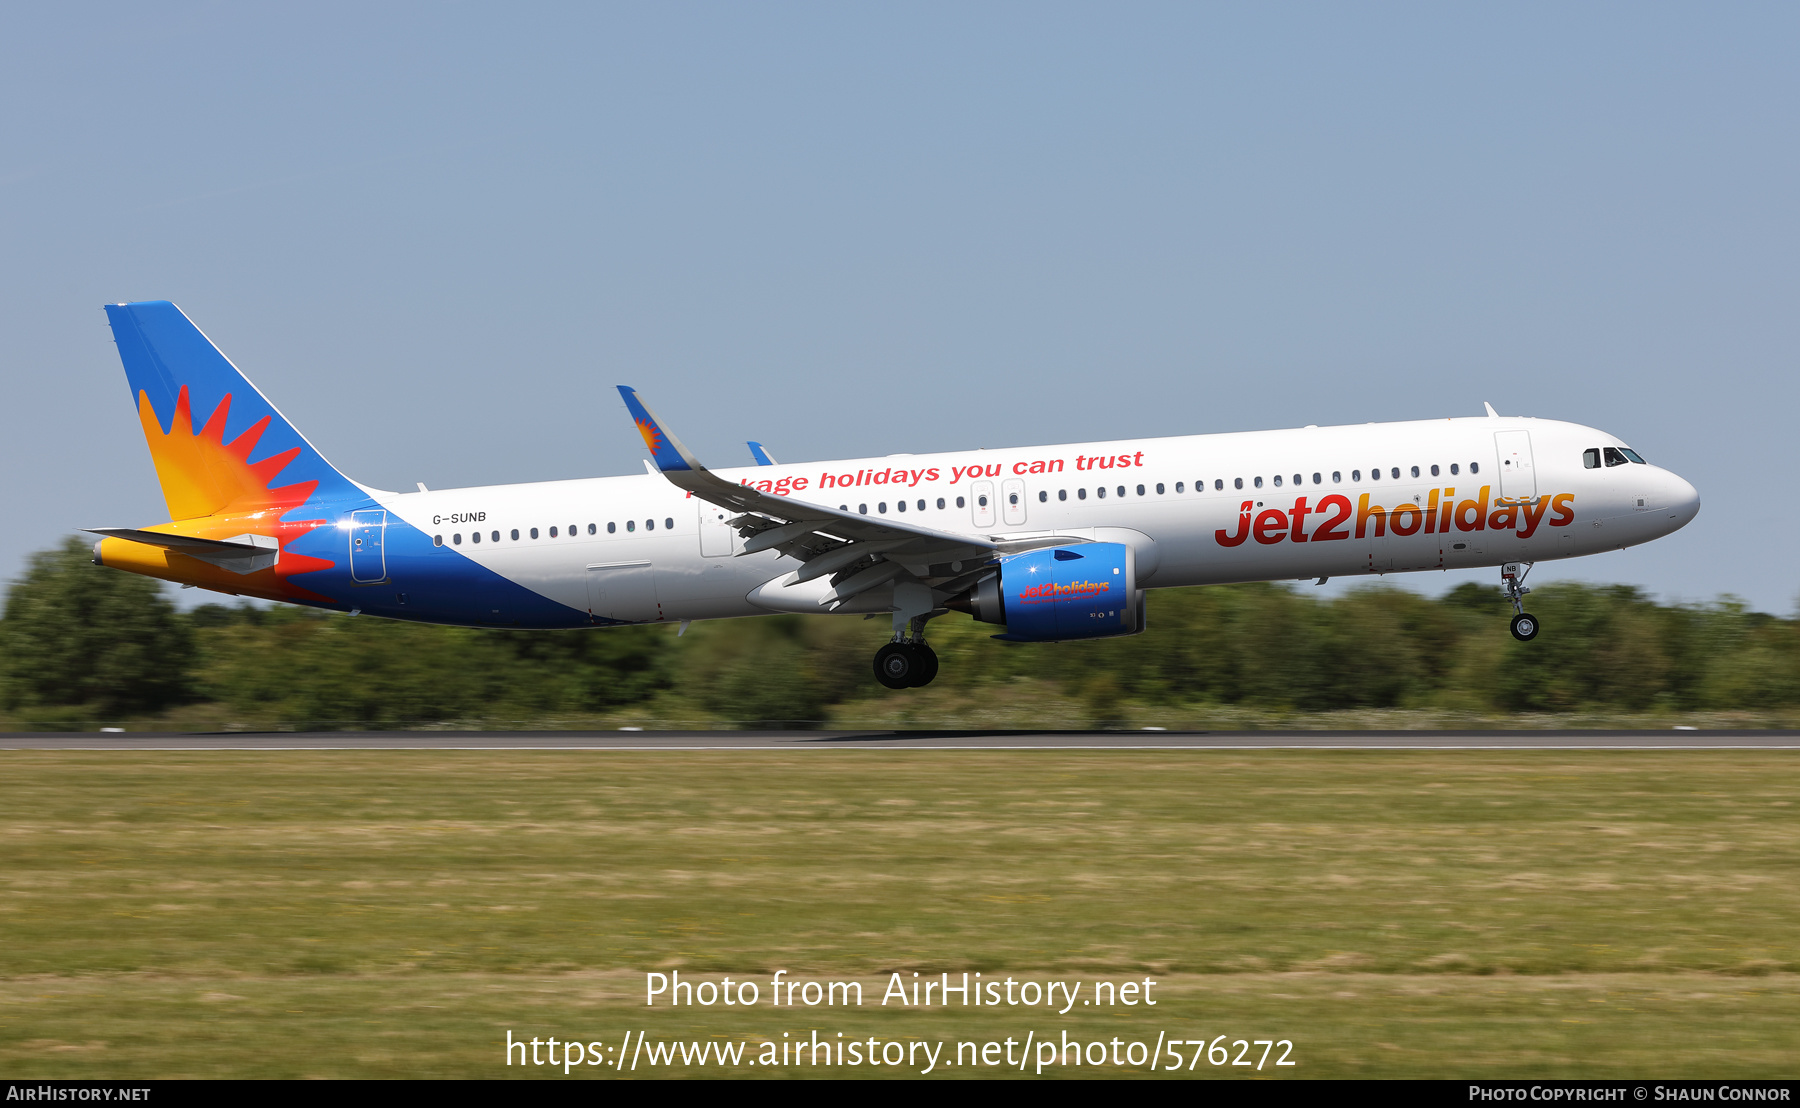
(79, 643)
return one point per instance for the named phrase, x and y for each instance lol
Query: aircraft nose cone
(1683, 500)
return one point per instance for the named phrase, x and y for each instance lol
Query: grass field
(354, 914)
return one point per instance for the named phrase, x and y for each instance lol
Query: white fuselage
(1197, 510)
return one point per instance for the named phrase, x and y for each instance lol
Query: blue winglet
(761, 455)
(665, 451)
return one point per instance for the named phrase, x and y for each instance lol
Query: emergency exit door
(1012, 501)
(981, 507)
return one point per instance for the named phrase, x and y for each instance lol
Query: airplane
(1048, 544)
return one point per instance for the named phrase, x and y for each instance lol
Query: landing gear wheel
(1524, 627)
(928, 665)
(897, 665)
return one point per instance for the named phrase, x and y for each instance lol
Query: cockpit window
(1633, 455)
(1614, 458)
(1590, 459)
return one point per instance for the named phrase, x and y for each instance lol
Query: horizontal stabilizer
(247, 545)
(241, 554)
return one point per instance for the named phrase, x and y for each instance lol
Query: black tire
(928, 665)
(1525, 627)
(896, 665)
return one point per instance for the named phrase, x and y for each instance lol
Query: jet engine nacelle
(1082, 591)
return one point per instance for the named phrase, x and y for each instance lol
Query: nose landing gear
(1512, 586)
(908, 662)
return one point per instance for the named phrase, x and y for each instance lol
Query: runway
(910, 740)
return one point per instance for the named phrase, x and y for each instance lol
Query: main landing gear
(905, 665)
(1512, 585)
(908, 662)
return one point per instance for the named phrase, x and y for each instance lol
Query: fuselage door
(981, 503)
(1012, 501)
(1518, 478)
(368, 561)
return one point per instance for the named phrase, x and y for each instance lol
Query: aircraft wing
(859, 551)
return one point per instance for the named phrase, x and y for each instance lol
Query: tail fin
(176, 372)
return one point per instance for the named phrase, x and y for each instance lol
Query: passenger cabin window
(669, 524)
(1238, 482)
(940, 503)
(649, 525)
(1258, 482)
(959, 502)
(534, 532)
(1356, 475)
(1415, 471)
(1453, 469)
(1197, 486)
(1277, 481)
(1474, 467)
(611, 528)
(1100, 492)
(631, 525)
(456, 539)
(1220, 484)
(1396, 473)
(1318, 479)
(1122, 490)
(1062, 494)
(553, 531)
(1141, 491)
(1081, 494)
(922, 505)
(901, 505)
(496, 536)
(1337, 476)
(1434, 471)
(1613, 457)
(1159, 488)
(1043, 496)
(475, 536)
(1297, 480)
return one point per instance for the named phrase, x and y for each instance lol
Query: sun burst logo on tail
(215, 491)
(202, 474)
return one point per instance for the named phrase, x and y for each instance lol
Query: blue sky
(436, 235)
